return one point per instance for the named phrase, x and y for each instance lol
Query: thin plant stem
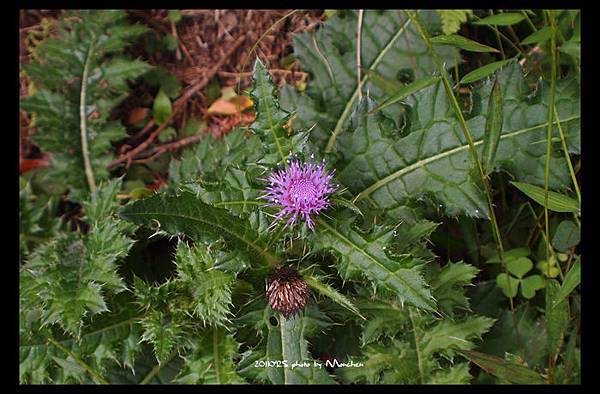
(417, 347)
(467, 134)
(89, 174)
(529, 21)
(551, 110)
(358, 47)
(567, 156)
(549, 129)
(498, 39)
(154, 371)
(546, 239)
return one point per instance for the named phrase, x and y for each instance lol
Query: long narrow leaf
(493, 128)
(556, 202)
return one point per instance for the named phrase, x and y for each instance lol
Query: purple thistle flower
(300, 190)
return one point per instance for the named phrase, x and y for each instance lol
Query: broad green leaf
(571, 281)
(162, 108)
(461, 42)
(407, 90)
(556, 202)
(433, 162)
(571, 48)
(508, 284)
(504, 19)
(366, 254)
(483, 71)
(391, 46)
(512, 372)
(557, 317)
(186, 214)
(286, 346)
(510, 255)
(493, 128)
(519, 267)
(566, 236)
(538, 37)
(530, 284)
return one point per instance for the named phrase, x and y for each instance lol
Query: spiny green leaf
(91, 43)
(110, 339)
(447, 284)
(162, 333)
(186, 214)
(449, 335)
(366, 254)
(210, 289)
(332, 293)
(69, 277)
(452, 19)
(271, 119)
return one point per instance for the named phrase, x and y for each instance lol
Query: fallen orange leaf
(233, 106)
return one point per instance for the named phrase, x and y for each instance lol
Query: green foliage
(37, 221)
(391, 299)
(69, 281)
(395, 50)
(92, 47)
(366, 254)
(66, 278)
(452, 19)
(433, 161)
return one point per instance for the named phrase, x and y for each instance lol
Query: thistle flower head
(301, 190)
(288, 292)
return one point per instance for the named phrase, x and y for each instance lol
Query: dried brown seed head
(288, 292)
